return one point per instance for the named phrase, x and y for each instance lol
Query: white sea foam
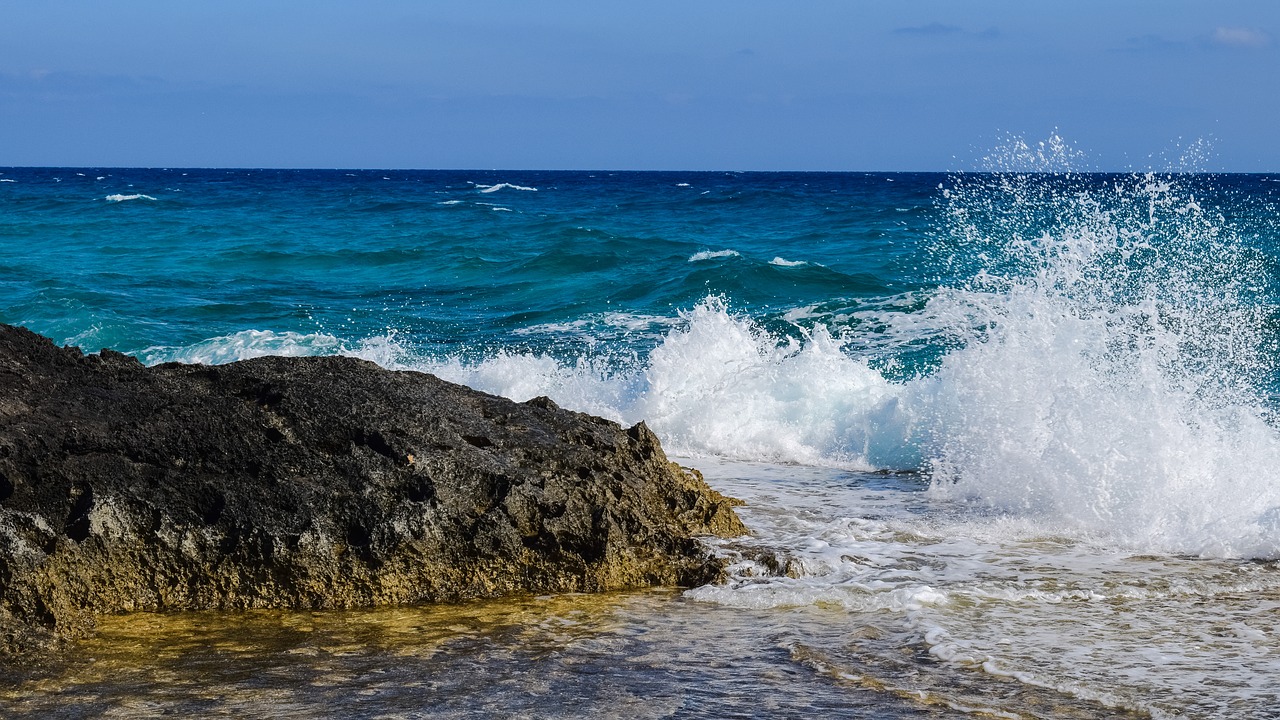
(781, 262)
(719, 385)
(593, 327)
(502, 186)
(7, 180)
(246, 344)
(723, 386)
(449, 202)
(588, 385)
(1000, 595)
(123, 198)
(1109, 374)
(712, 254)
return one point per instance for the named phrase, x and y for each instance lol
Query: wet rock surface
(314, 483)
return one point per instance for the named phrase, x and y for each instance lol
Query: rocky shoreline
(321, 482)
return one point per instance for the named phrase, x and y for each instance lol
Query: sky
(910, 85)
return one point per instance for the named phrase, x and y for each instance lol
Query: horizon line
(247, 168)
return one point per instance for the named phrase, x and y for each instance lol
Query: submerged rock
(318, 482)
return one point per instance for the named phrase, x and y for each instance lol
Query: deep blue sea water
(1021, 424)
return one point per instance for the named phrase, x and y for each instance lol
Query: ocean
(1008, 441)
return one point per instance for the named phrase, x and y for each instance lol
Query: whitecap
(500, 186)
(781, 262)
(712, 254)
(121, 198)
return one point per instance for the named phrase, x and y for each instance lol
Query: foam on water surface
(712, 255)
(249, 344)
(504, 186)
(998, 596)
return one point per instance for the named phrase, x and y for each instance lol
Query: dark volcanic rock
(313, 483)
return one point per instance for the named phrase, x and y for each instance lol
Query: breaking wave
(1101, 362)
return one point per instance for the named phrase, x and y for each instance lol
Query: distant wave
(7, 180)
(780, 262)
(711, 254)
(500, 186)
(122, 198)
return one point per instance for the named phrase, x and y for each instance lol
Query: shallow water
(890, 610)
(981, 596)
(651, 654)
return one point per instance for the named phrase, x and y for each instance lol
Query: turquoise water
(1020, 425)
(178, 256)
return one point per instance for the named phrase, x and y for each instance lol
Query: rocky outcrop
(314, 483)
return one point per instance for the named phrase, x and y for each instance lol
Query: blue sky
(714, 84)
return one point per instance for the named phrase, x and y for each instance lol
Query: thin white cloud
(1240, 37)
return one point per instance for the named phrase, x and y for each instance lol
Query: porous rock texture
(320, 482)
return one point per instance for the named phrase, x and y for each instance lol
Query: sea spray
(724, 386)
(1112, 364)
(721, 385)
